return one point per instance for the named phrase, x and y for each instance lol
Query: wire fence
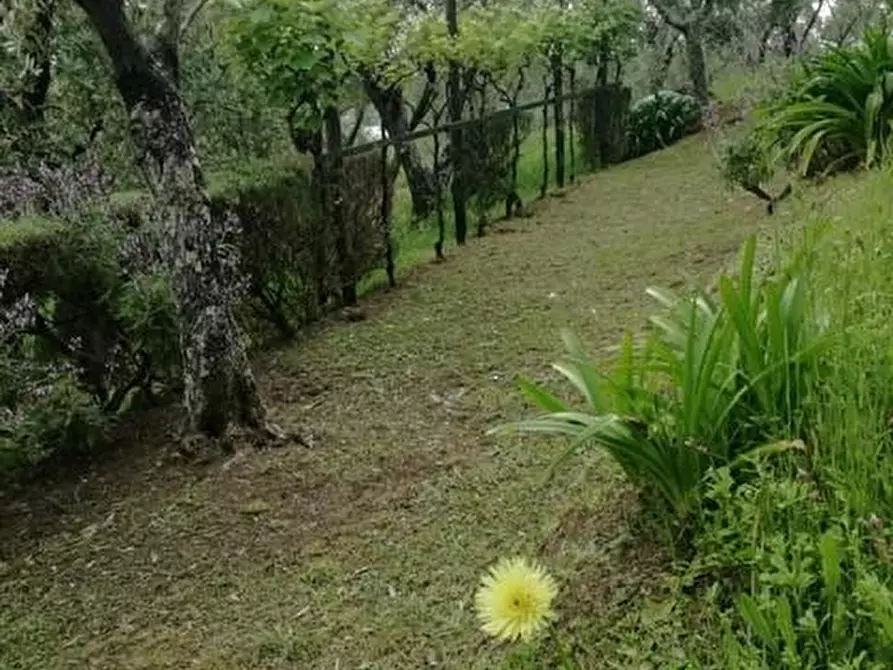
(505, 158)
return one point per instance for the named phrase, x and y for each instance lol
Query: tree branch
(428, 95)
(352, 137)
(668, 15)
(192, 15)
(809, 26)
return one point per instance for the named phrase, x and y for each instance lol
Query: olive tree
(219, 387)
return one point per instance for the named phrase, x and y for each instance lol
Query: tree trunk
(219, 387)
(333, 187)
(558, 90)
(659, 77)
(388, 102)
(789, 43)
(764, 44)
(697, 64)
(544, 186)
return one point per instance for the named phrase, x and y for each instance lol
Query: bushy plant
(80, 331)
(749, 163)
(659, 120)
(56, 419)
(798, 552)
(804, 585)
(717, 380)
(839, 110)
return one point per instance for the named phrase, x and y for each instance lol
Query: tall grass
(810, 537)
(718, 380)
(762, 417)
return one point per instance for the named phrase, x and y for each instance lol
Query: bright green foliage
(294, 49)
(814, 595)
(658, 120)
(718, 380)
(840, 110)
(802, 550)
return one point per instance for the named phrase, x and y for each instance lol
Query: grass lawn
(364, 550)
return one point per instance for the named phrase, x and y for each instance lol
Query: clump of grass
(717, 380)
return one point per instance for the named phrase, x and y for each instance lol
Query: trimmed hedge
(288, 250)
(87, 313)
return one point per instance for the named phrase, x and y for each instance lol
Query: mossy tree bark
(219, 387)
(697, 64)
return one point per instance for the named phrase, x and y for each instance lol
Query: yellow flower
(515, 599)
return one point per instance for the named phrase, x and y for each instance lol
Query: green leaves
(716, 381)
(658, 120)
(840, 110)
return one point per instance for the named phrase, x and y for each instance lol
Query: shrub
(288, 250)
(838, 113)
(749, 163)
(85, 313)
(57, 419)
(659, 120)
(717, 380)
(487, 160)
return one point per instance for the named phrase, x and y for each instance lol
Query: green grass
(414, 241)
(823, 507)
(27, 230)
(364, 550)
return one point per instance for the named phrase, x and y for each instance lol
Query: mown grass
(414, 240)
(364, 550)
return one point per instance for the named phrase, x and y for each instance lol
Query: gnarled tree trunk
(219, 386)
(697, 64)
(388, 102)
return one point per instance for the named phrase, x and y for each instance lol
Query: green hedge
(101, 326)
(288, 246)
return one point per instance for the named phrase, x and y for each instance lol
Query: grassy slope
(364, 550)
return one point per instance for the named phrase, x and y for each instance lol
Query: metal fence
(505, 158)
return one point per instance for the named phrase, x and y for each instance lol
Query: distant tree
(690, 18)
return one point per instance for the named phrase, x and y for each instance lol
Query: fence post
(558, 91)
(438, 191)
(545, 184)
(386, 212)
(572, 78)
(334, 176)
(454, 97)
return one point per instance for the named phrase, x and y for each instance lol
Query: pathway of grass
(364, 550)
